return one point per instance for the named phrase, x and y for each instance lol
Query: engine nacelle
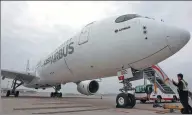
(88, 87)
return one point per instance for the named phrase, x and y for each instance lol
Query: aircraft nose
(177, 39)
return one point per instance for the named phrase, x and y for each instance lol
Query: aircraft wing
(21, 76)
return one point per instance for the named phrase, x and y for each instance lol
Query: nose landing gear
(125, 99)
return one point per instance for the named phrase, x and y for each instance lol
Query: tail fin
(27, 67)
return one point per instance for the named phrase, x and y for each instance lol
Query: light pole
(8, 84)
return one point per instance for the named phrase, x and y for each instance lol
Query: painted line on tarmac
(56, 107)
(72, 111)
(51, 103)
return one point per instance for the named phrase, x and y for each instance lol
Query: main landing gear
(14, 86)
(56, 93)
(125, 99)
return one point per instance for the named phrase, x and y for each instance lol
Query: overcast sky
(31, 30)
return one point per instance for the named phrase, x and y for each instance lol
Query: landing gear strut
(15, 85)
(125, 99)
(56, 93)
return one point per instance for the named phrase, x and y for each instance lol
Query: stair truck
(151, 92)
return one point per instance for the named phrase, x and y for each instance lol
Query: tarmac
(41, 103)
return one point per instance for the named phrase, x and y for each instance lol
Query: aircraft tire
(190, 109)
(16, 93)
(174, 99)
(132, 101)
(159, 99)
(52, 94)
(143, 101)
(121, 100)
(182, 111)
(60, 95)
(8, 93)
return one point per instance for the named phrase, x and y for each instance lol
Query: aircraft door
(84, 35)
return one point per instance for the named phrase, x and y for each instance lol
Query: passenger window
(126, 17)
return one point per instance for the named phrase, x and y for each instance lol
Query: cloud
(32, 30)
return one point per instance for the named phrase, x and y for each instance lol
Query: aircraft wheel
(132, 100)
(182, 111)
(17, 94)
(8, 93)
(52, 94)
(121, 100)
(190, 109)
(174, 99)
(60, 95)
(125, 100)
(143, 101)
(159, 99)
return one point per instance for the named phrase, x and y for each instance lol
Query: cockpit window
(126, 17)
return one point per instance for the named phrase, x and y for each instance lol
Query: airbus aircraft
(101, 49)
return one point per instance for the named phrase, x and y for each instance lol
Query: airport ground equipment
(171, 107)
(148, 92)
(163, 87)
(169, 83)
(152, 73)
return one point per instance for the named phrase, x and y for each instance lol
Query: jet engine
(88, 87)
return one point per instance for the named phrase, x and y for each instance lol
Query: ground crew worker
(183, 92)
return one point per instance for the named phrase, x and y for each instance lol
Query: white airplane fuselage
(103, 47)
